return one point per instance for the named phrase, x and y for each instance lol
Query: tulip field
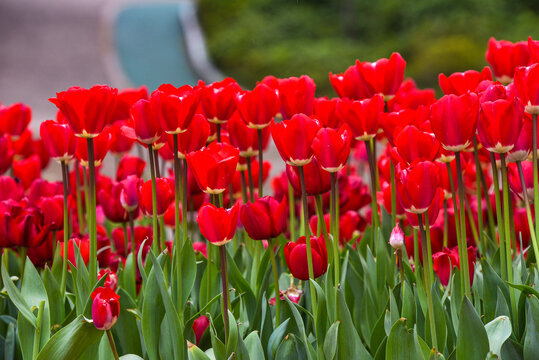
(403, 225)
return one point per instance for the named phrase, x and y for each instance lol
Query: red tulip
(362, 116)
(296, 96)
(499, 124)
(175, 106)
(255, 168)
(218, 225)
(164, 193)
(523, 145)
(119, 143)
(125, 99)
(386, 200)
(264, 219)
(516, 183)
(111, 281)
(291, 293)
(145, 127)
(101, 147)
(351, 84)
(384, 76)
(433, 210)
(218, 100)
(417, 185)
(317, 180)
(130, 165)
(141, 233)
(410, 97)
(21, 227)
(192, 139)
(295, 254)
(353, 193)
(461, 82)
(170, 214)
(105, 308)
(10, 188)
(533, 48)
(392, 123)
(527, 87)
(454, 120)
(87, 111)
(413, 144)
(443, 262)
(59, 140)
(43, 188)
(505, 56)
(200, 247)
(332, 147)
(200, 324)
(111, 204)
(293, 139)
(129, 193)
(14, 119)
(350, 224)
(214, 166)
(53, 211)
(6, 160)
(259, 106)
(243, 137)
(325, 110)
(27, 170)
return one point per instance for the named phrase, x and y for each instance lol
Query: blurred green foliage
(249, 39)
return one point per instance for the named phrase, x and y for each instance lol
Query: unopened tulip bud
(396, 240)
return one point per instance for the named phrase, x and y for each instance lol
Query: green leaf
(56, 303)
(330, 343)
(126, 329)
(153, 312)
(10, 342)
(189, 270)
(15, 296)
(130, 357)
(525, 289)
(71, 341)
(408, 304)
(254, 346)
(219, 349)
(301, 328)
(128, 276)
(276, 338)
(194, 353)
(531, 340)
(472, 339)
(491, 283)
(174, 325)
(290, 349)
(439, 321)
(401, 344)
(349, 344)
(498, 331)
(232, 334)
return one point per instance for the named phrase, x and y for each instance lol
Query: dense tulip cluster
(144, 248)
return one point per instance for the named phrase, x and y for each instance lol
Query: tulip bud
(105, 308)
(396, 239)
(111, 281)
(199, 327)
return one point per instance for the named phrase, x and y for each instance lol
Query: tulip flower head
(396, 239)
(296, 257)
(218, 225)
(265, 218)
(105, 308)
(293, 139)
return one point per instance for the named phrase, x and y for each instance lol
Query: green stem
(271, 244)
(222, 253)
(508, 238)
(417, 262)
(78, 196)
(307, 234)
(66, 227)
(37, 331)
(528, 211)
(503, 267)
(428, 282)
(463, 248)
(184, 198)
(478, 172)
(260, 164)
(291, 212)
(334, 227)
(400, 264)
(243, 187)
(112, 345)
(133, 243)
(429, 245)
(155, 244)
(446, 224)
(535, 175)
(393, 195)
(92, 227)
(455, 216)
(177, 195)
(374, 203)
(218, 126)
(251, 183)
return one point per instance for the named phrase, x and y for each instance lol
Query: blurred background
(49, 45)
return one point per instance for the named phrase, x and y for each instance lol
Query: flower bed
(402, 227)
